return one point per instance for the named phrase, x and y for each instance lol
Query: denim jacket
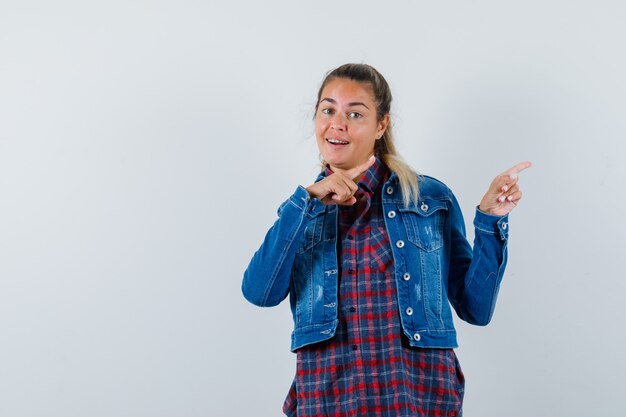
(434, 264)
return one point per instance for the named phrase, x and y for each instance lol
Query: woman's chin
(339, 166)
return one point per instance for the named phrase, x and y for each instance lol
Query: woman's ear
(382, 126)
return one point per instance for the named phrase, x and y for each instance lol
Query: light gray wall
(145, 147)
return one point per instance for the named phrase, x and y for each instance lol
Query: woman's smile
(334, 141)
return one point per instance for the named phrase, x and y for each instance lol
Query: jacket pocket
(424, 223)
(312, 234)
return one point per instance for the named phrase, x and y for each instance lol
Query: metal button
(417, 337)
(409, 311)
(504, 225)
(424, 207)
(406, 276)
(390, 190)
(400, 244)
(352, 309)
(354, 347)
(391, 214)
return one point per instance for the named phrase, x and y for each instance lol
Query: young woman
(372, 256)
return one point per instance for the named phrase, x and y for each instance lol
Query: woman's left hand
(503, 194)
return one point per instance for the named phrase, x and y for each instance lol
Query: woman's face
(346, 125)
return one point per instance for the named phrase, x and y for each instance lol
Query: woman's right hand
(339, 188)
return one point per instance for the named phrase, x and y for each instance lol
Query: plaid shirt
(368, 368)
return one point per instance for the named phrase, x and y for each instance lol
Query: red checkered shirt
(368, 368)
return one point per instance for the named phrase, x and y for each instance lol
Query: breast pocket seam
(312, 235)
(425, 228)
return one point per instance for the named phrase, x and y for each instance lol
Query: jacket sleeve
(476, 273)
(266, 280)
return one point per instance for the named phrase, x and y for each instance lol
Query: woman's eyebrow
(351, 104)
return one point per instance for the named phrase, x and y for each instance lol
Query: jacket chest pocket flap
(312, 234)
(424, 223)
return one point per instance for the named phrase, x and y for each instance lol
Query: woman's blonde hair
(385, 148)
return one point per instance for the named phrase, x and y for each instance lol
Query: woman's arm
(475, 274)
(266, 280)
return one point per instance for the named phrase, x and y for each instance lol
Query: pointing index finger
(513, 171)
(356, 172)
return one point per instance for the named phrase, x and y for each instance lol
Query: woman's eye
(355, 115)
(327, 111)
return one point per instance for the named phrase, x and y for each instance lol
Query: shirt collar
(370, 180)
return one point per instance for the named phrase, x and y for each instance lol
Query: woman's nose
(339, 121)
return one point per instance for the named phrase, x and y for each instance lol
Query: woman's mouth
(334, 141)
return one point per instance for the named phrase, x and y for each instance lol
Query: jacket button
(504, 225)
(424, 207)
(352, 309)
(400, 244)
(354, 347)
(406, 276)
(390, 190)
(417, 337)
(391, 214)
(409, 311)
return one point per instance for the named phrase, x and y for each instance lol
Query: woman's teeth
(337, 141)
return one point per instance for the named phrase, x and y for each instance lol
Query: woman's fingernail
(501, 199)
(510, 198)
(513, 176)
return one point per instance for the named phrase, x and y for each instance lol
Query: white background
(145, 147)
